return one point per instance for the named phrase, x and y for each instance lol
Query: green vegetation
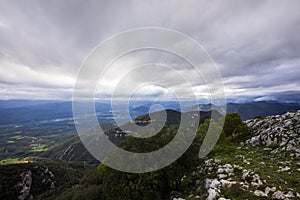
(9, 160)
(268, 165)
(153, 185)
(184, 178)
(264, 163)
(40, 148)
(17, 137)
(235, 127)
(273, 145)
(50, 177)
(110, 184)
(17, 132)
(236, 193)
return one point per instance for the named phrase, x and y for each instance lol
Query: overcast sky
(255, 44)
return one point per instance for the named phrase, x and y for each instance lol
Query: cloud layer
(255, 44)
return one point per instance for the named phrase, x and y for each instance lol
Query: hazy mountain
(48, 111)
(251, 109)
(261, 108)
(20, 111)
(17, 103)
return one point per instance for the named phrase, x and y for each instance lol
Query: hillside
(73, 150)
(33, 178)
(262, 162)
(266, 166)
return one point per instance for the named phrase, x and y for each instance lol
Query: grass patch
(40, 148)
(17, 132)
(17, 137)
(262, 162)
(236, 193)
(30, 137)
(9, 161)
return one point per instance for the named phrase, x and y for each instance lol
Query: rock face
(278, 133)
(26, 185)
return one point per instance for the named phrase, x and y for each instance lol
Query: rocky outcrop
(249, 168)
(25, 185)
(225, 178)
(248, 180)
(277, 133)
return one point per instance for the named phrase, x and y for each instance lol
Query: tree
(235, 127)
(152, 185)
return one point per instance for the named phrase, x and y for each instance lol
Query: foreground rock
(277, 133)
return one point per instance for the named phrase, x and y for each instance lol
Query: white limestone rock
(278, 195)
(260, 193)
(212, 194)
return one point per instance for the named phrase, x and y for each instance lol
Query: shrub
(235, 128)
(273, 145)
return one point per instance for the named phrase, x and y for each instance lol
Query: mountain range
(21, 111)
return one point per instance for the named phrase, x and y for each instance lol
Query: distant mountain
(252, 109)
(21, 111)
(203, 107)
(138, 109)
(48, 111)
(174, 105)
(261, 108)
(18, 103)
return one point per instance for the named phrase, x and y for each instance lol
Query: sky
(255, 45)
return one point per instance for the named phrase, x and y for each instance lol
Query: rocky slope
(266, 166)
(277, 133)
(34, 178)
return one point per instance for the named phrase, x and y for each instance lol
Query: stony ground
(267, 166)
(280, 133)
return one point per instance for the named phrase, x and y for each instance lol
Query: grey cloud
(254, 39)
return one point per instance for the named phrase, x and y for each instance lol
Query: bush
(273, 145)
(235, 128)
(153, 185)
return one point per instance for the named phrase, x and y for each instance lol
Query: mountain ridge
(58, 110)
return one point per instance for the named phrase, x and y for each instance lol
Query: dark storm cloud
(254, 43)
